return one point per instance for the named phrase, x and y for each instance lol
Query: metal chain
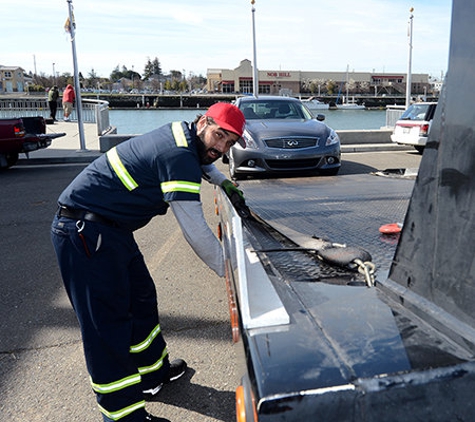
(367, 269)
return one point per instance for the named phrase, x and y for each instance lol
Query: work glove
(236, 197)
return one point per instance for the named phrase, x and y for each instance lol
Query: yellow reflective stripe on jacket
(119, 414)
(179, 135)
(180, 186)
(156, 366)
(120, 169)
(116, 385)
(147, 342)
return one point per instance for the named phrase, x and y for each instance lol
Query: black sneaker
(151, 418)
(177, 370)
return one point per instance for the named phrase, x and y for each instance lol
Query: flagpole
(72, 31)
(255, 72)
(409, 64)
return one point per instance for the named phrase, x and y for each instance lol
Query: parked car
(22, 135)
(282, 137)
(414, 125)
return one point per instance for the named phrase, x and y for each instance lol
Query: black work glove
(237, 198)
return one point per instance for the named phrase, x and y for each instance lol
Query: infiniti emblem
(292, 143)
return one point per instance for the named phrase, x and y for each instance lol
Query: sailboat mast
(347, 69)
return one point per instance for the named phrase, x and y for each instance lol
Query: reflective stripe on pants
(114, 298)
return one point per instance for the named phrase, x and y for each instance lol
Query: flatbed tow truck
(339, 322)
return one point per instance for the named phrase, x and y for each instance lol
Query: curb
(92, 155)
(374, 148)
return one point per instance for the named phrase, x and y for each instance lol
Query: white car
(413, 126)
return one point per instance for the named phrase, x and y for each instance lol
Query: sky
(192, 36)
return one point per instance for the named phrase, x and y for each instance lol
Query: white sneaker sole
(153, 391)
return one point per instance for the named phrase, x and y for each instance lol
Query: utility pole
(72, 32)
(409, 66)
(34, 64)
(255, 74)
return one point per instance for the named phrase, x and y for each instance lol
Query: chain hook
(367, 269)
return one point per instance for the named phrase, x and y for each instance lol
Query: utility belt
(76, 214)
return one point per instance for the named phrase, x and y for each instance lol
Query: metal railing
(393, 113)
(93, 111)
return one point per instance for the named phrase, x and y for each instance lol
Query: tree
(152, 68)
(351, 85)
(317, 85)
(125, 73)
(331, 87)
(176, 75)
(305, 85)
(92, 79)
(116, 74)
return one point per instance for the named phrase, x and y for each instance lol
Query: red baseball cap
(228, 117)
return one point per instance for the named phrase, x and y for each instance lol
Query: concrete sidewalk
(67, 149)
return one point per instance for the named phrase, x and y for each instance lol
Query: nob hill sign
(279, 74)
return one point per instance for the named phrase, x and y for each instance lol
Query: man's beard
(203, 151)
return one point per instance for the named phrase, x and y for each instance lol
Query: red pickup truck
(22, 135)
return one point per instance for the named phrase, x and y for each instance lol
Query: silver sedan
(283, 137)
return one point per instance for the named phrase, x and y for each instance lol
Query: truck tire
(8, 160)
(12, 159)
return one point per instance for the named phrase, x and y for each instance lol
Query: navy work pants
(115, 301)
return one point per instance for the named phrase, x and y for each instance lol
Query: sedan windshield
(254, 110)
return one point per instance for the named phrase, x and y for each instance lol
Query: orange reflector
(240, 405)
(233, 311)
(220, 232)
(391, 228)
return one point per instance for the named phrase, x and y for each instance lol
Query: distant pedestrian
(68, 99)
(53, 96)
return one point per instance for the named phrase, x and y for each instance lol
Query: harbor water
(142, 121)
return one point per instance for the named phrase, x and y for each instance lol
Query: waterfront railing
(93, 111)
(393, 113)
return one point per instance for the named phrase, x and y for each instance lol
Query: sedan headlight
(250, 143)
(332, 138)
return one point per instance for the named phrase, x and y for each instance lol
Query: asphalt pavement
(42, 370)
(43, 377)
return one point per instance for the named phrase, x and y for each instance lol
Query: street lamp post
(54, 76)
(255, 74)
(72, 32)
(409, 70)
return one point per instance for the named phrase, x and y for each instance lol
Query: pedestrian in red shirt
(68, 99)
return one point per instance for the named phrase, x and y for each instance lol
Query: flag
(67, 24)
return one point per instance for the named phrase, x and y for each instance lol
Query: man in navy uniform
(104, 272)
